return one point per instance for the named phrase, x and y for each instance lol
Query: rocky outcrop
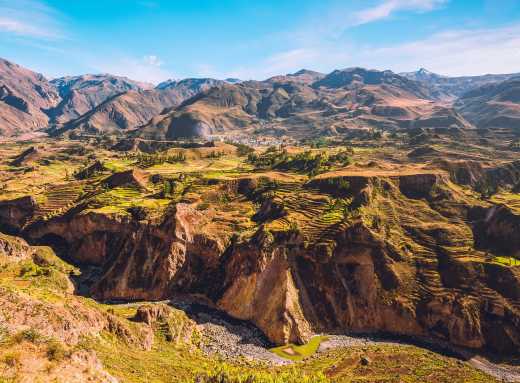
(14, 248)
(133, 178)
(175, 326)
(404, 260)
(25, 157)
(140, 260)
(499, 230)
(15, 213)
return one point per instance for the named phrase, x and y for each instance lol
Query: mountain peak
(424, 71)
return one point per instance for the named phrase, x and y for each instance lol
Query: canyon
(148, 225)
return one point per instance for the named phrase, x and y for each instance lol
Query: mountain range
(303, 104)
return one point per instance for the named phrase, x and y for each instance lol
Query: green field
(299, 352)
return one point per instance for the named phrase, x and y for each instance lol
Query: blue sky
(153, 40)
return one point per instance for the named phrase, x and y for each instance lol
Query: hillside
(81, 94)
(493, 105)
(291, 246)
(121, 112)
(25, 96)
(306, 104)
(446, 87)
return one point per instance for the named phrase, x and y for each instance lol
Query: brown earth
(412, 258)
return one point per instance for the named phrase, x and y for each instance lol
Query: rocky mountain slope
(494, 105)
(131, 109)
(25, 96)
(121, 112)
(81, 94)
(306, 105)
(454, 87)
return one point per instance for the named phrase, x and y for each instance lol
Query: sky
(156, 40)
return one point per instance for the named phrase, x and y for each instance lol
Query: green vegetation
(507, 261)
(230, 190)
(242, 149)
(309, 162)
(144, 160)
(227, 374)
(298, 353)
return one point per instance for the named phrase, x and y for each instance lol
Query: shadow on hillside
(88, 274)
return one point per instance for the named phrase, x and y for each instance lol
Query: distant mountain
(295, 105)
(495, 105)
(132, 108)
(190, 85)
(356, 77)
(422, 75)
(80, 94)
(454, 87)
(25, 96)
(217, 110)
(301, 104)
(233, 80)
(122, 112)
(302, 76)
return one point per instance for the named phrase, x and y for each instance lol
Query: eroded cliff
(364, 251)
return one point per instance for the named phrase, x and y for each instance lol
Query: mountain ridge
(344, 99)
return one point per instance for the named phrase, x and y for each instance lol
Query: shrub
(229, 375)
(56, 351)
(243, 150)
(12, 359)
(29, 335)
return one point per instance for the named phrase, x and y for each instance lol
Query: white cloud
(152, 60)
(454, 53)
(457, 52)
(30, 18)
(389, 7)
(144, 69)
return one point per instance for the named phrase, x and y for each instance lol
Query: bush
(146, 160)
(32, 270)
(12, 359)
(230, 375)
(243, 150)
(56, 351)
(486, 188)
(29, 335)
(309, 162)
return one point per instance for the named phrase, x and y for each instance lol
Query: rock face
(25, 96)
(177, 327)
(121, 112)
(156, 259)
(452, 87)
(15, 213)
(495, 105)
(134, 177)
(14, 248)
(405, 259)
(81, 94)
